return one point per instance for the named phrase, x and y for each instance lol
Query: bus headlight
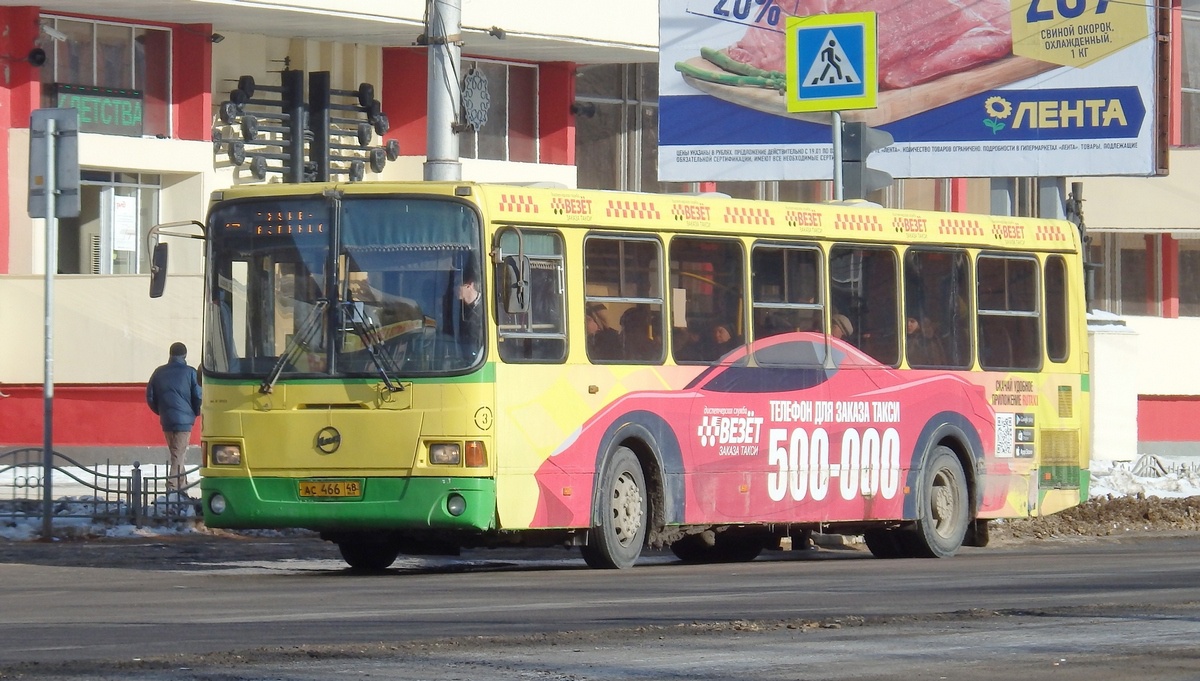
(456, 505)
(225, 455)
(217, 504)
(445, 454)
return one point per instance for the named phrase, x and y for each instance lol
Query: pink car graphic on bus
(774, 433)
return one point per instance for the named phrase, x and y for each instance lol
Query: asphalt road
(287, 609)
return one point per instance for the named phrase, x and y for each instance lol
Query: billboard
(987, 88)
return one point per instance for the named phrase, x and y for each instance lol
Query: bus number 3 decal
(869, 464)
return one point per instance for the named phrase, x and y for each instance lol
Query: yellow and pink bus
(423, 367)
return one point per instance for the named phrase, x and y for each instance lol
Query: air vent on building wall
(95, 253)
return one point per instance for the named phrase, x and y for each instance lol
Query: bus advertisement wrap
(424, 367)
(986, 89)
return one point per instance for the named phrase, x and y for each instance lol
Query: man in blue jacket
(174, 394)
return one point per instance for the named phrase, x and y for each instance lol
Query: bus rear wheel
(724, 547)
(364, 555)
(616, 541)
(888, 543)
(945, 511)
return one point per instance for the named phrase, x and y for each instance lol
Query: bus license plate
(330, 488)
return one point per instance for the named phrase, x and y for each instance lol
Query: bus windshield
(349, 287)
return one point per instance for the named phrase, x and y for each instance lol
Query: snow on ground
(1148, 476)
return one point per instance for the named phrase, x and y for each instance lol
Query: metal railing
(104, 492)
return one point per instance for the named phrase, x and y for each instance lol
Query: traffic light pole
(838, 189)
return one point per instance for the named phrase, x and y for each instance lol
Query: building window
(616, 128)
(1136, 262)
(511, 130)
(1190, 90)
(1128, 282)
(1189, 278)
(117, 75)
(116, 213)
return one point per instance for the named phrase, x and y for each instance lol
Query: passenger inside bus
(922, 344)
(638, 337)
(840, 327)
(603, 341)
(723, 340)
(687, 344)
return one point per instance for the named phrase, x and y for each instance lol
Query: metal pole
(1052, 192)
(445, 91)
(838, 190)
(48, 383)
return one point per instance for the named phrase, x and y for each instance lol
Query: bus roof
(536, 205)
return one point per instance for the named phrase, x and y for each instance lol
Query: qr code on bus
(1005, 434)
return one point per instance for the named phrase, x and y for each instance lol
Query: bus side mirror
(158, 270)
(516, 284)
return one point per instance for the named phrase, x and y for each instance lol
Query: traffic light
(858, 141)
(307, 139)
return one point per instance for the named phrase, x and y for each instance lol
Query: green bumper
(385, 504)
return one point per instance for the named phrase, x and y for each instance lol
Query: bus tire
(693, 548)
(721, 547)
(616, 541)
(368, 556)
(887, 543)
(945, 511)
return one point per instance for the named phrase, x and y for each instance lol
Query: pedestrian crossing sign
(831, 62)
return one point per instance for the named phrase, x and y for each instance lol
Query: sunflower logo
(997, 108)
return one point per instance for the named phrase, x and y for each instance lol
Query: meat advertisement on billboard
(967, 88)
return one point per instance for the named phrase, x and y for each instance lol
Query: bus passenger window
(1057, 336)
(787, 289)
(1009, 334)
(864, 286)
(936, 295)
(622, 276)
(706, 277)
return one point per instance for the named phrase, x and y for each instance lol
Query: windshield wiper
(368, 332)
(297, 345)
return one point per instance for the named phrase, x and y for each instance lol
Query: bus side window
(1009, 318)
(706, 275)
(623, 276)
(787, 289)
(1058, 344)
(936, 294)
(864, 286)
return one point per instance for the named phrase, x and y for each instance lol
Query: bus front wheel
(945, 512)
(616, 540)
(368, 556)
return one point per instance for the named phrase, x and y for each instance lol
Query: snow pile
(1150, 476)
